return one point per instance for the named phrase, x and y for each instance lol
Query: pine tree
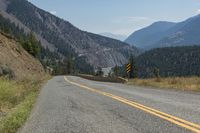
(69, 66)
(134, 68)
(156, 72)
(33, 45)
(99, 72)
(116, 71)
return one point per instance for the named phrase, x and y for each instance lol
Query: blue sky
(119, 16)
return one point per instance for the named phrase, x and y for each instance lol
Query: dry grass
(183, 83)
(16, 101)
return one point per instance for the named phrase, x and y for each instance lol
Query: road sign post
(128, 70)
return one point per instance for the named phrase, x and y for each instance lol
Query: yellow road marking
(178, 121)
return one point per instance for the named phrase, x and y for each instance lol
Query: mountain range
(167, 34)
(61, 37)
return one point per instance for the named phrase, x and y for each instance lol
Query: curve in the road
(178, 121)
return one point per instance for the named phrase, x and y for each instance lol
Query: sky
(121, 17)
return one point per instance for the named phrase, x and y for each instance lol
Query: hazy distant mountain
(166, 34)
(65, 39)
(114, 36)
(184, 33)
(149, 35)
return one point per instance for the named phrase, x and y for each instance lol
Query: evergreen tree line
(31, 45)
(28, 41)
(165, 62)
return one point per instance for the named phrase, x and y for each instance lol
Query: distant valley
(62, 38)
(114, 36)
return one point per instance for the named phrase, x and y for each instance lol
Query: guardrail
(103, 79)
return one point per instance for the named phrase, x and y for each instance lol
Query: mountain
(183, 33)
(149, 35)
(14, 58)
(61, 37)
(115, 36)
(168, 34)
(171, 61)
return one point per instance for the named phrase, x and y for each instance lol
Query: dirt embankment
(13, 56)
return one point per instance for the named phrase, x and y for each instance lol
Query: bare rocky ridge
(13, 56)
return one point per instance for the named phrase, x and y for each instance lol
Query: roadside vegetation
(16, 101)
(18, 96)
(183, 83)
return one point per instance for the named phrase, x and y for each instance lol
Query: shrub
(1, 72)
(99, 72)
(7, 72)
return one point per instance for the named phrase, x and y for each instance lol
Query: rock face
(61, 36)
(14, 57)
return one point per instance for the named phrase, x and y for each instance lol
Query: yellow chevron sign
(128, 68)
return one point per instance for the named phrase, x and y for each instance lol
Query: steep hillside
(149, 35)
(63, 38)
(174, 61)
(14, 57)
(185, 33)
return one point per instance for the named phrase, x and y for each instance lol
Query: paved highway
(75, 105)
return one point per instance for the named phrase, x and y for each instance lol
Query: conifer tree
(134, 68)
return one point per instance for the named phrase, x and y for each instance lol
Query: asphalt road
(76, 105)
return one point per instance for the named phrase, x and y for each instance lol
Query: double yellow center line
(178, 121)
